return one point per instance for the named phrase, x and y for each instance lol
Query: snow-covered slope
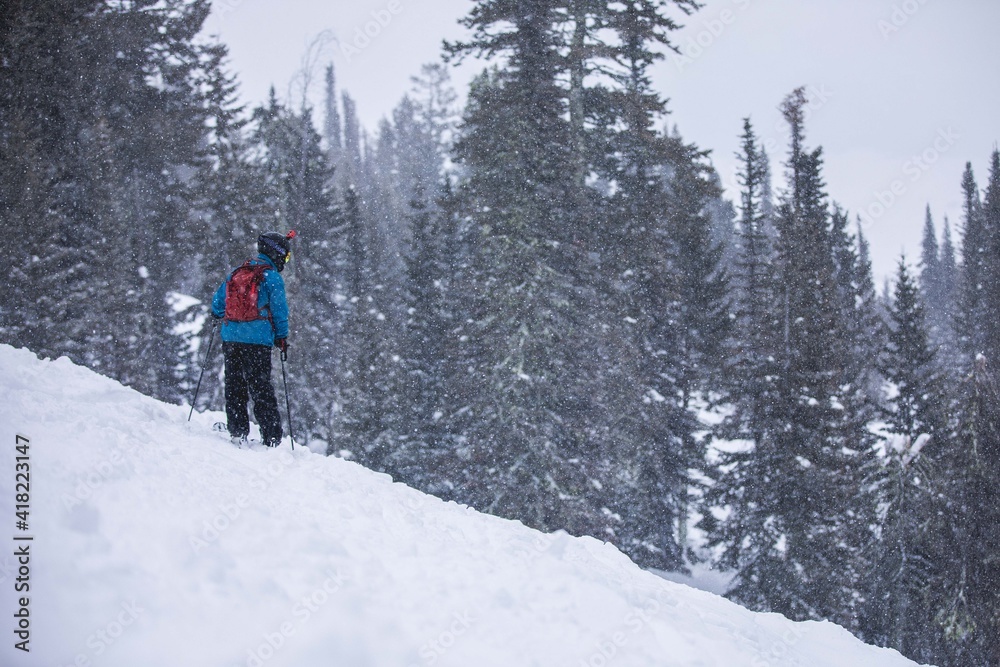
(157, 544)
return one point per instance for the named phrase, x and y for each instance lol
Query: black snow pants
(248, 376)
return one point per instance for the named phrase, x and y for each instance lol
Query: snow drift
(158, 544)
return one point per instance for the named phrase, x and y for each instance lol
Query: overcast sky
(903, 92)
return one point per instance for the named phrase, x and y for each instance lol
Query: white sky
(905, 91)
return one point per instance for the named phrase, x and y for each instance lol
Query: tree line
(540, 305)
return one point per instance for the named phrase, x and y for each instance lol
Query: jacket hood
(270, 261)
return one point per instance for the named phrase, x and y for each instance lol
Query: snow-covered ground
(158, 544)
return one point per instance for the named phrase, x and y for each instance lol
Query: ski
(222, 429)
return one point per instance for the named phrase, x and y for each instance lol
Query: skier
(251, 303)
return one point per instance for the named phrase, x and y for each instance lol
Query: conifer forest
(537, 303)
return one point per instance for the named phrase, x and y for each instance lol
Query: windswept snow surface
(158, 544)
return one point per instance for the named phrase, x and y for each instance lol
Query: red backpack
(242, 290)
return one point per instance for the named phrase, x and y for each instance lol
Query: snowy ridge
(157, 544)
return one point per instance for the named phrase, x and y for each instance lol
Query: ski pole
(288, 409)
(204, 365)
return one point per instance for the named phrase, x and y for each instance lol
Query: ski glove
(281, 344)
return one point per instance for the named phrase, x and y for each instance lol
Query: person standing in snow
(252, 306)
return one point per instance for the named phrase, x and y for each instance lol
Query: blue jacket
(270, 299)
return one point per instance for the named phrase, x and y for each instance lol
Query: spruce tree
(97, 181)
(950, 280)
(552, 263)
(649, 476)
(230, 184)
(867, 323)
(900, 567)
(971, 317)
(743, 478)
(665, 292)
(930, 264)
(704, 308)
(858, 316)
(910, 365)
(434, 99)
(349, 168)
(805, 515)
(523, 310)
(966, 534)
(938, 285)
(424, 453)
(991, 262)
(332, 129)
(367, 411)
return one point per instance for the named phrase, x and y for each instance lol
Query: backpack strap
(267, 306)
(265, 267)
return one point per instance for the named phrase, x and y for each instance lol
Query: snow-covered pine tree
(971, 315)
(154, 199)
(398, 183)
(657, 260)
(899, 562)
(861, 383)
(230, 183)
(533, 147)
(968, 605)
(938, 286)
(424, 456)
(95, 188)
(704, 309)
(991, 294)
(808, 522)
(930, 264)
(866, 324)
(434, 100)
(349, 169)
(966, 528)
(522, 318)
(754, 277)
(743, 478)
(409, 153)
(367, 410)
(647, 476)
(950, 280)
(332, 127)
(919, 405)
